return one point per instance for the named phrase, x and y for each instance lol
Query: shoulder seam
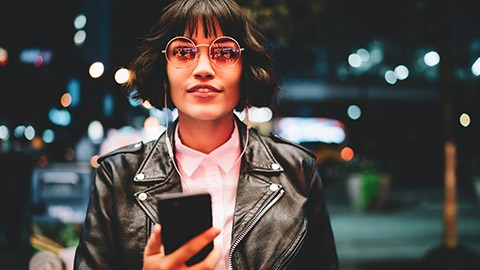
(126, 149)
(280, 139)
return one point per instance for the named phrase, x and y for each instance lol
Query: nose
(203, 68)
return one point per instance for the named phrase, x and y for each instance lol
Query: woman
(207, 58)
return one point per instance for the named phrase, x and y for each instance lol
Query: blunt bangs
(185, 18)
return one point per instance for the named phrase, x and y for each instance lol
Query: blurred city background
(385, 93)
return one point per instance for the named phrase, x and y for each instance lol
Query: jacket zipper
(252, 224)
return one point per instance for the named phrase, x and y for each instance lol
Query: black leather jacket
(280, 219)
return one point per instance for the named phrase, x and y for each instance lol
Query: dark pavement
(407, 234)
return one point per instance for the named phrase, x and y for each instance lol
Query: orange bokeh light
(94, 161)
(37, 143)
(347, 153)
(151, 122)
(66, 100)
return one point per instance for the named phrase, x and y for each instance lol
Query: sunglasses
(182, 52)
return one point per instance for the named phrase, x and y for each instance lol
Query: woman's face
(204, 91)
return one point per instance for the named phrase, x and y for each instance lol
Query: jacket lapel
(158, 171)
(255, 188)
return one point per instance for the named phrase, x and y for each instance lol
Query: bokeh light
(69, 154)
(29, 133)
(4, 133)
(431, 58)
(94, 161)
(96, 70)
(390, 77)
(354, 60)
(19, 131)
(3, 56)
(80, 21)
(95, 131)
(38, 61)
(260, 115)
(347, 153)
(476, 67)
(465, 120)
(59, 117)
(42, 161)
(354, 112)
(37, 143)
(80, 37)
(66, 100)
(108, 105)
(122, 75)
(147, 104)
(401, 72)
(151, 122)
(74, 88)
(48, 136)
(363, 54)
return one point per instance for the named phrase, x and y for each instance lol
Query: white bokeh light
(390, 77)
(80, 21)
(4, 133)
(363, 54)
(354, 60)
(95, 131)
(476, 67)
(354, 112)
(30, 133)
(431, 58)
(80, 37)
(96, 70)
(465, 120)
(401, 72)
(122, 75)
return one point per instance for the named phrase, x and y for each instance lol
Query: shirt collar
(225, 155)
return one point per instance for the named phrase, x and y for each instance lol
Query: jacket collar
(157, 166)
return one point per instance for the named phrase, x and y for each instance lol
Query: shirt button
(140, 176)
(275, 166)
(274, 187)
(142, 196)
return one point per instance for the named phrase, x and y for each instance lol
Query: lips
(203, 89)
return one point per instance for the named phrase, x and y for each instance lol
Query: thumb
(154, 244)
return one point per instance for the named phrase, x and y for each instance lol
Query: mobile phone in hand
(182, 218)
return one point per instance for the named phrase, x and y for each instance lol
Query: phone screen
(182, 218)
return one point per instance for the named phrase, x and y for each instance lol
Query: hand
(154, 254)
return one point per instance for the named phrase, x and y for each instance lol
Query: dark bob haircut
(258, 86)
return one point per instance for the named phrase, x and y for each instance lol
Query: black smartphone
(182, 218)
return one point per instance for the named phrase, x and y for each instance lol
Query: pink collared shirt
(216, 173)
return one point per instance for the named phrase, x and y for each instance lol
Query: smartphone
(182, 218)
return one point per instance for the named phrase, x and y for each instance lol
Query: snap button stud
(140, 176)
(274, 187)
(142, 196)
(275, 166)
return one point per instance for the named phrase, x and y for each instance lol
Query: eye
(186, 52)
(225, 52)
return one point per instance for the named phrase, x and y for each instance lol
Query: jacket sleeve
(322, 252)
(96, 249)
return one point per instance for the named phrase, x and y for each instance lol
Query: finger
(154, 243)
(210, 261)
(192, 247)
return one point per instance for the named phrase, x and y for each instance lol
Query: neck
(205, 136)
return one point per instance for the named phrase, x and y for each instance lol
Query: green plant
(367, 182)
(370, 190)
